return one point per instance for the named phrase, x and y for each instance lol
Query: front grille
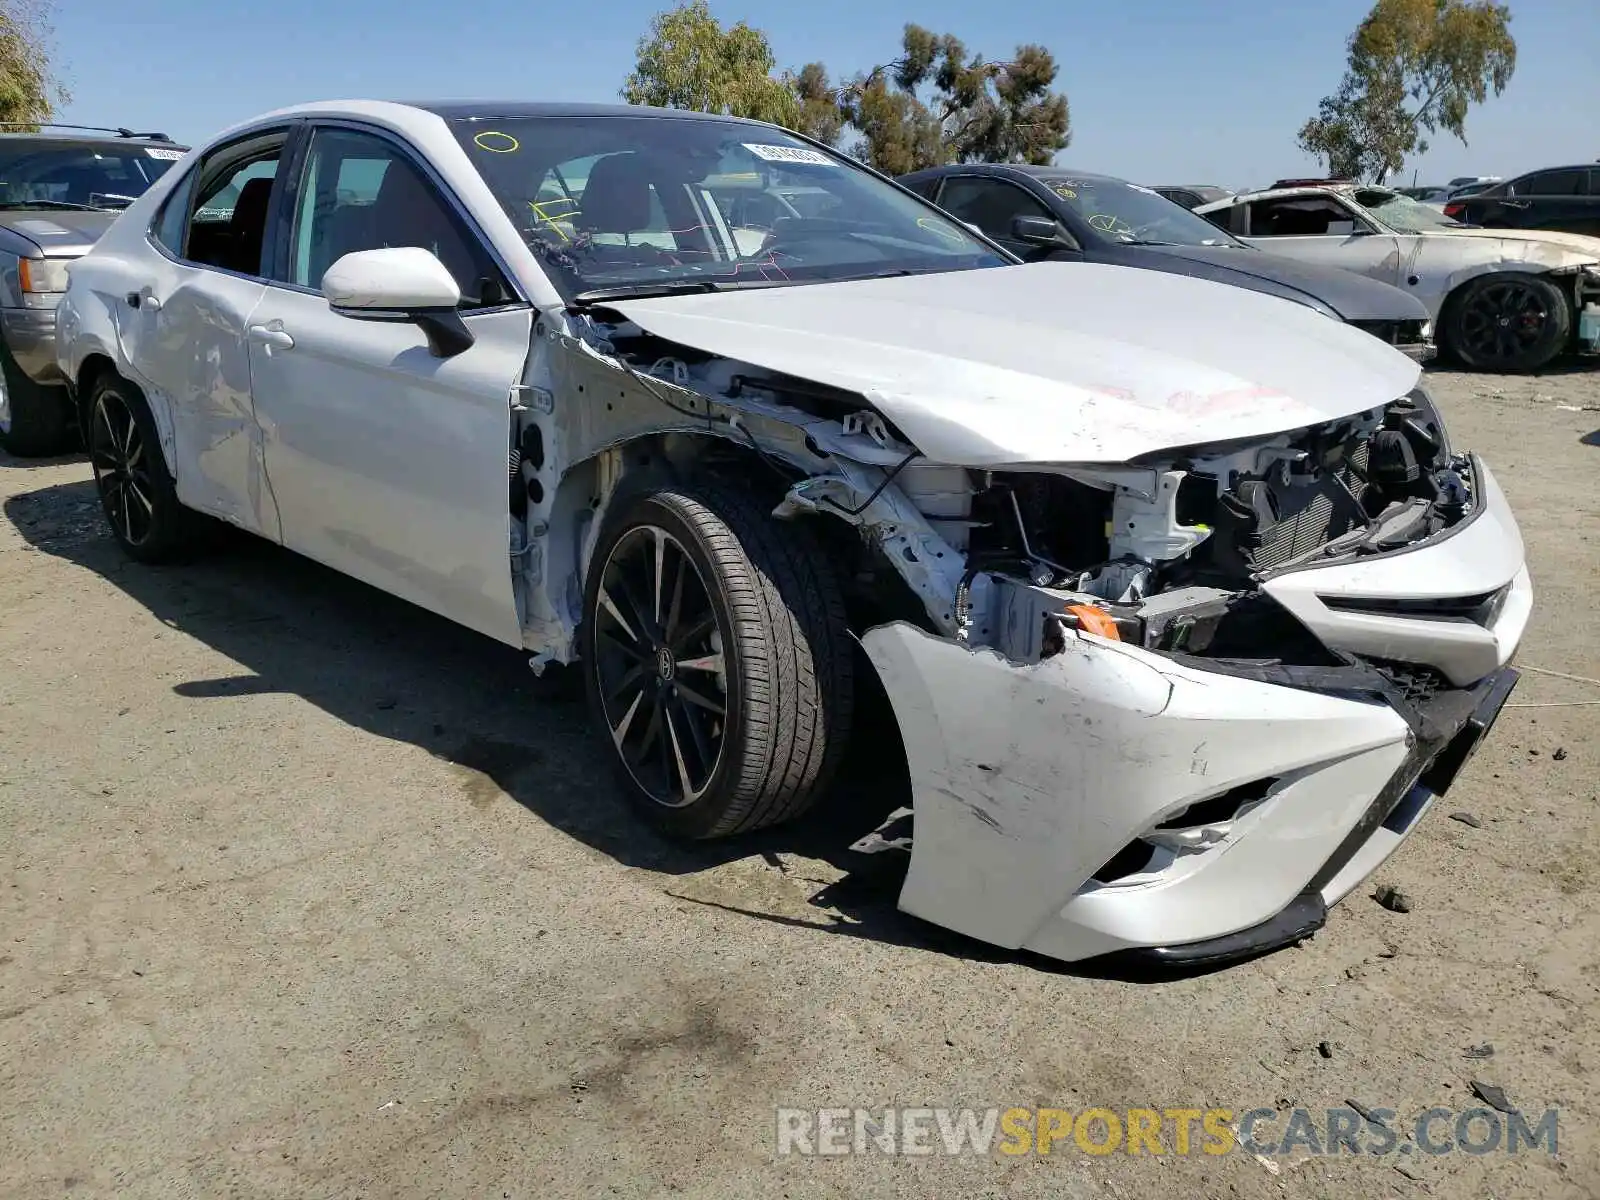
(1417, 682)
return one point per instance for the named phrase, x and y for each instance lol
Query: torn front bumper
(1263, 793)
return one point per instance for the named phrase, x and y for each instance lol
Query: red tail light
(1454, 210)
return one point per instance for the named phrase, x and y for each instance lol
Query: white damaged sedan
(1185, 605)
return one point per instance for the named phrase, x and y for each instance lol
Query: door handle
(144, 300)
(265, 335)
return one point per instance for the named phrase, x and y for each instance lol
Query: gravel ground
(308, 893)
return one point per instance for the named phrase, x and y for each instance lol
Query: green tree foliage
(934, 104)
(28, 91)
(938, 104)
(688, 60)
(1414, 67)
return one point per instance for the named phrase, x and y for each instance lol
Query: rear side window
(172, 219)
(217, 216)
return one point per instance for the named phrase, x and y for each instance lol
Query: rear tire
(35, 419)
(717, 658)
(137, 493)
(1506, 321)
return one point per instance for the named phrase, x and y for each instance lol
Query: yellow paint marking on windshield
(504, 143)
(549, 221)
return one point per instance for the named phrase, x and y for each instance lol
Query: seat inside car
(617, 200)
(247, 226)
(406, 212)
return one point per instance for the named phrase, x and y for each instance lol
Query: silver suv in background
(61, 186)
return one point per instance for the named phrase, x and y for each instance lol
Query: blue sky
(1162, 91)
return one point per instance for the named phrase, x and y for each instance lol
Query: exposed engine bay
(1165, 553)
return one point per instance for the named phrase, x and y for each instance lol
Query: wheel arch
(97, 366)
(588, 491)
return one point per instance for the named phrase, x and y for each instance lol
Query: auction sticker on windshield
(163, 155)
(789, 154)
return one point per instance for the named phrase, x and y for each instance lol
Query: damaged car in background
(1501, 299)
(1185, 604)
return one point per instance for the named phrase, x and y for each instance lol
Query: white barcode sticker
(790, 154)
(163, 155)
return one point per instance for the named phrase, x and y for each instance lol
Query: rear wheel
(1508, 321)
(137, 493)
(35, 419)
(717, 659)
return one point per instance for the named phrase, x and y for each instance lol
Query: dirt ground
(308, 893)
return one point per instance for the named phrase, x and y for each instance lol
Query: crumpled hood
(1354, 297)
(1049, 362)
(1576, 249)
(59, 232)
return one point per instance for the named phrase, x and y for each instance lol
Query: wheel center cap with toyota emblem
(666, 665)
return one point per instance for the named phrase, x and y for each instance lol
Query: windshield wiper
(10, 204)
(644, 291)
(675, 287)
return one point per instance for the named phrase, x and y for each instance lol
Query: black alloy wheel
(137, 493)
(717, 656)
(662, 673)
(121, 463)
(1508, 322)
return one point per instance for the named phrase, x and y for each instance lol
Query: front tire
(1507, 321)
(35, 419)
(718, 660)
(137, 493)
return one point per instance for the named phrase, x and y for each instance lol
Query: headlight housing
(42, 281)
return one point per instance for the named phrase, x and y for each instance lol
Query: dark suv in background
(61, 186)
(1566, 199)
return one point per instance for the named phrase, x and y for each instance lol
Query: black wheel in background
(35, 419)
(1507, 321)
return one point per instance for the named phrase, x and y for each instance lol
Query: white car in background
(1501, 299)
(1185, 604)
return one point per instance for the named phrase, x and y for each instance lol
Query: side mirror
(404, 284)
(1042, 231)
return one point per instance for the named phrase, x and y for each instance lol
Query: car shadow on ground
(385, 666)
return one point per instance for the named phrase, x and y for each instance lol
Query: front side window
(361, 192)
(990, 204)
(1551, 183)
(1303, 216)
(1127, 214)
(60, 173)
(632, 204)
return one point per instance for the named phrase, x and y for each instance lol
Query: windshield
(625, 205)
(78, 174)
(1402, 213)
(1128, 214)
